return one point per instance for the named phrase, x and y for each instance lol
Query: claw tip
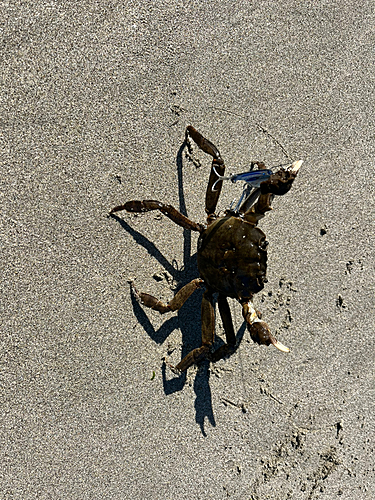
(295, 166)
(279, 345)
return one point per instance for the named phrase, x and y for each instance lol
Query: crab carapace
(232, 252)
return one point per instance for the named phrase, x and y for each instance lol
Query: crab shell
(232, 257)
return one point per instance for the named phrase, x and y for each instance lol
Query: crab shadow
(187, 319)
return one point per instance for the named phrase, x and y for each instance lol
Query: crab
(232, 252)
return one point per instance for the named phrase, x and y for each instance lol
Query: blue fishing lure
(253, 178)
(251, 189)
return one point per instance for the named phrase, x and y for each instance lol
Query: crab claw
(260, 333)
(295, 166)
(279, 345)
(281, 181)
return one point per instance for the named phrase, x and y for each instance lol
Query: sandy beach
(95, 100)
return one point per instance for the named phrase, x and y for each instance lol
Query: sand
(95, 101)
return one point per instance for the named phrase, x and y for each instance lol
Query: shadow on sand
(187, 318)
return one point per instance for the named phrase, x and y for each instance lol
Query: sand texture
(95, 99)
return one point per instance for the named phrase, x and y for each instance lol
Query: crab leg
(217, 169)
(208, 332)
(226, 318)
(168, 210)
(203, 143)
(176, 303)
